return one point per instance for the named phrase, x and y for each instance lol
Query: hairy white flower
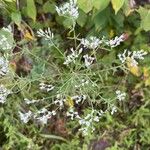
(8, 29)
(88, 60)
(68, 9)
(3, 93)
(25, 117)
(46, 87)
(116, 41)
(126, 55)
(46, 34)
(92, 42)
(120, 95)
(113, 109)
(72, 57)
(78, 98)
(73, 114)
(43, 115)
(60, 100)
(27, 101)
(4, 66)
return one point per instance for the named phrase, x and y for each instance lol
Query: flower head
(4, 66)
(132, 56)
(92, 42)
(3, 93)
(69, 9)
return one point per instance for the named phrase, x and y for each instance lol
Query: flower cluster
(116, 41)
(3, 93)
(120, 95)
(113, 109)
(92, 42)
(78, 98)
(69, 9)
(73, 56)
(83, 83)
(87, 123)
(47, 34)
(25, 117)
(4, 66)
(72, 114)
(46, 87)
(128, 55)
(27, 101)
(43, 115)
(88, 60)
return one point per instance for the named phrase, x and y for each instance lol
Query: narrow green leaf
(100, 4)
(55, 137)
(117, 4)
(31, 9)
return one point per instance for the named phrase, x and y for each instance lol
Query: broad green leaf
(145, 18)
(16, 17)
(31, 9)
(101, 19)
(100, 4)
(117, 4)
(49, 7)
(85, 5)
(82, 18)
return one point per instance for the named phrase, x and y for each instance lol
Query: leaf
(117, 4)
(101, 19)
(146, 74)
(82, 18)
(53, 137)
(85, 5)
(16, 17)
(145, 18)
(31, 9)
(133, 69)
(100, 4)
(49, 7)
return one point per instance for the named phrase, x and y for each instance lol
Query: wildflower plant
(75, 88)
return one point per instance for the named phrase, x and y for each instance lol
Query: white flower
(68, 9)
(120, 95)
(92, 42)
(60, 100)
(47, 34)
(25, 117)
(4, 66)
(113, 109)
(78, 98)
(43, 115)
(46, 87)
(116, 41)
(83, 83)
(72, 57)
(3, 93)
(27, 101)
(71, 113)
(88, 60)
(126, 55)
